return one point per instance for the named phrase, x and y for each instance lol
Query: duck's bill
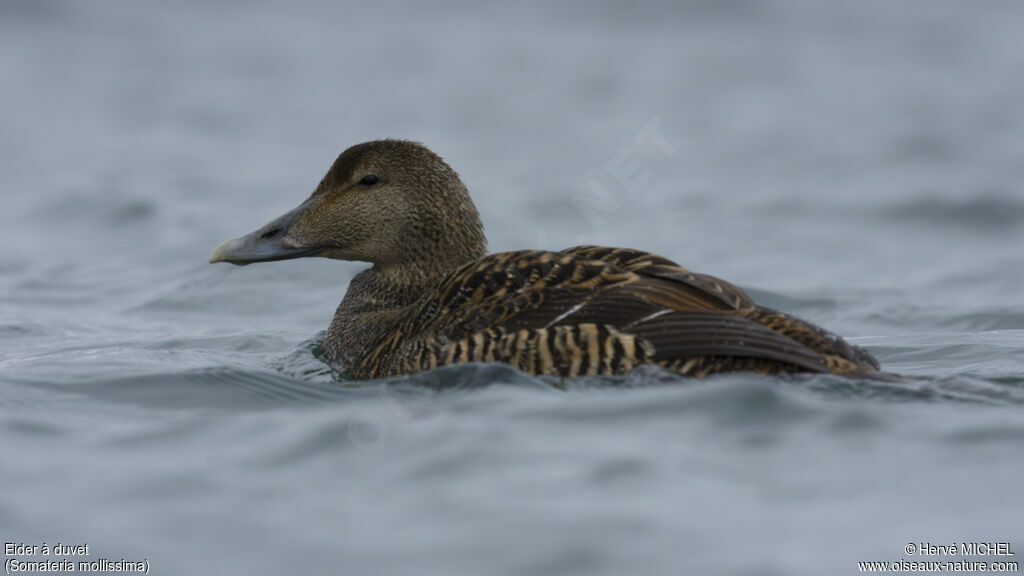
(267, 244)
(250, 249)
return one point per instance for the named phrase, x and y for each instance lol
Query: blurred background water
(857, 164)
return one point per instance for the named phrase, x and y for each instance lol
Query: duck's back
(595, 310)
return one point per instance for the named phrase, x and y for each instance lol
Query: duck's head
(389, 202)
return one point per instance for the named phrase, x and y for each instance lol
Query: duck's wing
(569, 313)
(838, 355)
(652, 265)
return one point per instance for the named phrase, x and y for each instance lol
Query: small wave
(915, 389)
(890, 388)
(986, 320)
(918, 317)
(989, 212)
(203, 389)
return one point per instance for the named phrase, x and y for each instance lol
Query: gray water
(855, 163)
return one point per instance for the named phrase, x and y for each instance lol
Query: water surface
(859, 166)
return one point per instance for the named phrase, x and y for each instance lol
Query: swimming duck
(433, 296)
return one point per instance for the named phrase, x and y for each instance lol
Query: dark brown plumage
(433, 298)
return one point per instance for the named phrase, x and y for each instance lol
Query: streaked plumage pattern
(433, 297)
(595, 310)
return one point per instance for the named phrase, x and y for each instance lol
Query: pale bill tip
(222, 252)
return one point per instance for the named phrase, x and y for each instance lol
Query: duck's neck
(441, 238)
(375, 302)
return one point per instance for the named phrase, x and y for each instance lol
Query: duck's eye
(369, 180)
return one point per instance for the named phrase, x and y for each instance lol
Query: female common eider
(434, 297)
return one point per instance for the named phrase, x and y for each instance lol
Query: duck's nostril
(270, 233)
